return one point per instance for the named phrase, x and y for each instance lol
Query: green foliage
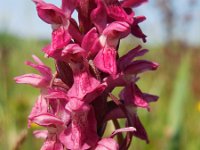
(177, 103)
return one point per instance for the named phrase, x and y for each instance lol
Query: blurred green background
(173, 122)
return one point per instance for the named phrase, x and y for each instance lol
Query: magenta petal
(44, 70)
(99, 16)
(97, 46)
(40, 107)
(65, 72)
(60, 37)
(139, 19)
(32, 79)
(136, 31)
(110, 2)
(70, 52)
(37, 60)
(135, 28)
(84, 9)
(56, 94)
(74, 104)
(58, 146)
(75, 32)
(89, 40)
(63, 113)
(40, 134)
(73, 51)
(107, 144)
(125, 60)
(49, 12)
(119, 14)
(127, 129)
(117, 30)
(139, 98)
(52, 144)
(132, 3)
(48, 145)
(46, 119)
(82, 132)
(140, 66)
(95, 93)
(105, 61)
(68, 7)
(115, 112)
(140, 102)
(150, 98)
(84, 83)
(132, 95)
(115, 82)
(48, 50)
(140, 130)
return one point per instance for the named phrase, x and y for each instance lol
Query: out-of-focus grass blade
(177, 101)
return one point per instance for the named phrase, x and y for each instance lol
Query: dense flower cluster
(76, 102)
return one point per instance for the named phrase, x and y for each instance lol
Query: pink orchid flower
(105, 60)
(76, 102)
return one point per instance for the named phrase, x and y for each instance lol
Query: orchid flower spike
(76, 103)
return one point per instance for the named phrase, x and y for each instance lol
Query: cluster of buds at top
(76, 102)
